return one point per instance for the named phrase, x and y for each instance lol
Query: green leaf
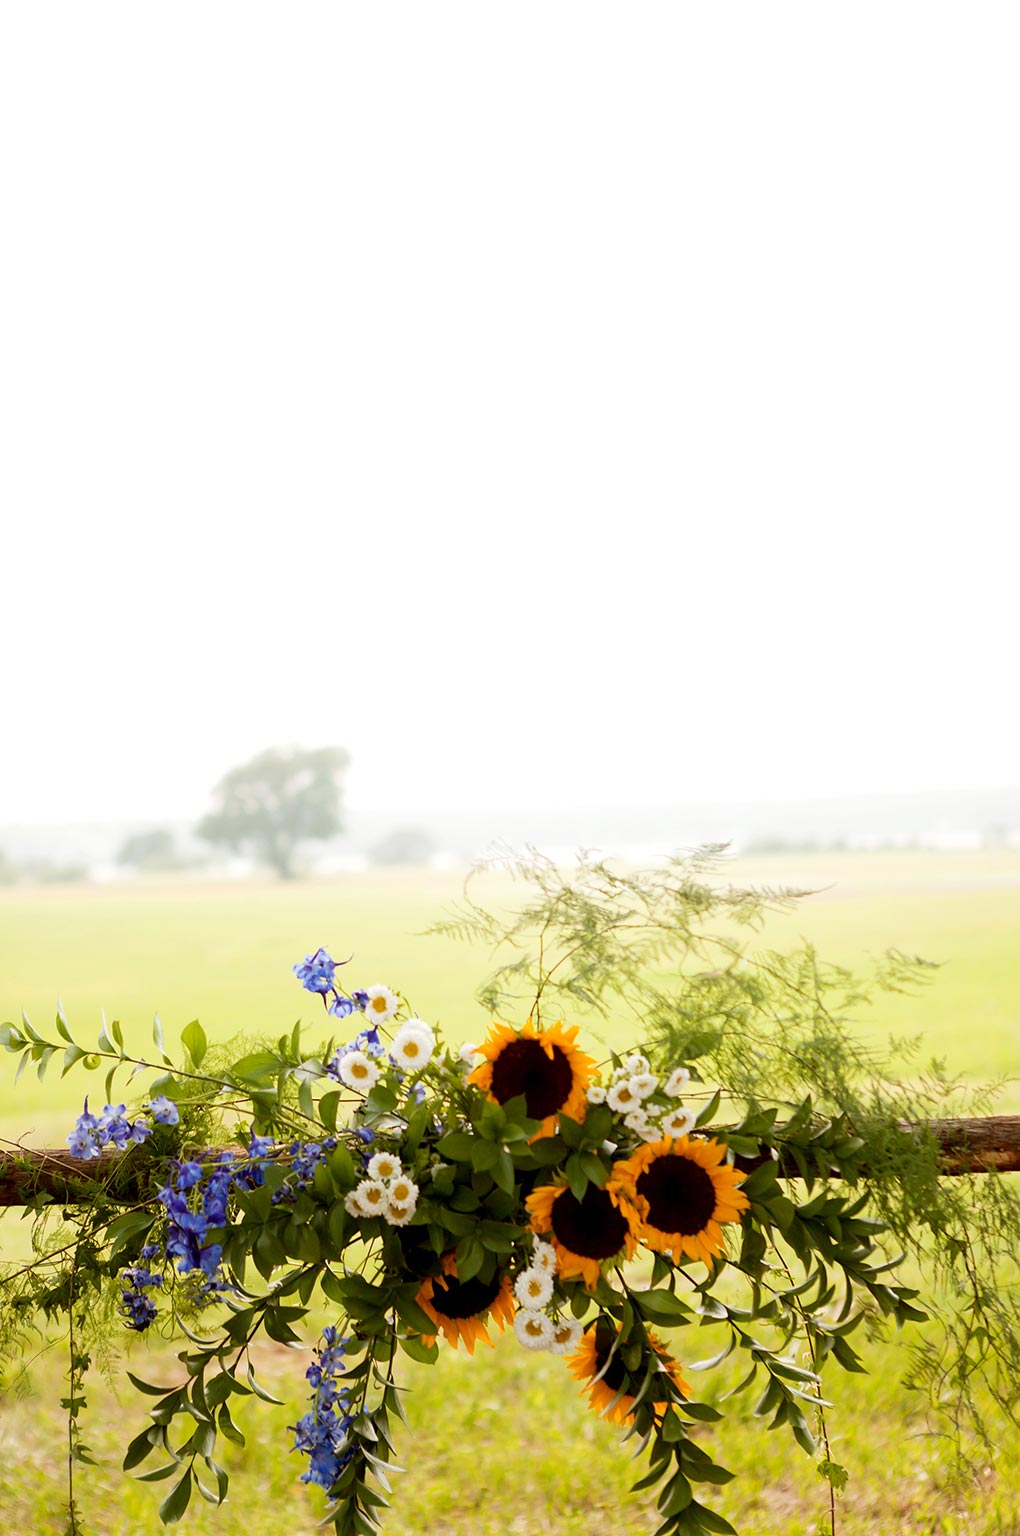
(328, 1105)
(662, 1307)
(174, 1505)
(194, 1041)
(457, 1146)
(158, 1038)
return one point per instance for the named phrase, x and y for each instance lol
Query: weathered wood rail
(967, 1146)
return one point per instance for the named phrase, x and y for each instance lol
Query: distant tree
(282, 797)
(404, 845)
(149, 850)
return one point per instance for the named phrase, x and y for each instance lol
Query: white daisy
(469, 1055)
(544, 1257)
(358, 1071)
(566, 1335)
(533, 1288)
(400, 1215)
(533, 1329)
(352, 1205)
(636, 1063)
(596, 1094)
(403, 1191)
(621, 1097)
(382, 1004)
(676, 1082)
(643, 1083)
(413, 1045)
(639, 1122)
(678, 1122)
(384, 1165)
(620, 1074)
(372, 1197)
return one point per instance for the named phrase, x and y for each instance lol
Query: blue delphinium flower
(322, 1434)
(315, 972)
(163, 1110)
(341, 1006)
(112, 1128)
(360, 999)
(139, 1309)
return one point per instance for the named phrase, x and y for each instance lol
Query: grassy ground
(500, 1443)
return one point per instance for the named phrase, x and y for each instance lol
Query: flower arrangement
(595, 1203)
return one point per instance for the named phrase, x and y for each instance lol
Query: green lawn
(501, 1443)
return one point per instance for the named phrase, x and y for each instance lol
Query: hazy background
(600, 420)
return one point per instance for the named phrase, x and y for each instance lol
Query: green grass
(500, 1443)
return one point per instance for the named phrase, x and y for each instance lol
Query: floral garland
(431, 1192)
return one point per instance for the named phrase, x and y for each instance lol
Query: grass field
(500, 1443)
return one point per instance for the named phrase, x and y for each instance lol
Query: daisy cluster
(534, 1324)
(386, 1191)
(113, 1129)
(648, 1107)
(322, 1433)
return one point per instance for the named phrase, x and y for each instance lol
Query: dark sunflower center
(455, 1298)
(680, 1195)
(523, 1067)
(591, 1227)
(616, 1375)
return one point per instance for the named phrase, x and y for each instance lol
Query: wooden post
(988, 1145)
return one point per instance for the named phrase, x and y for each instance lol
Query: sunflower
(542, 1064)
(684, 1190)
(460, 1307)
(584, 1233)
(610, 1387)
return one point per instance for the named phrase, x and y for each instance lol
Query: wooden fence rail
(988, 1145)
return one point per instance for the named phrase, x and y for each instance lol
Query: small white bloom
(621, 1098)
(413, 1045)
(636, 1063)
(678, 1122)
(566, 1335)
(403, 1190)
(596, 1094)
(533, 1288)
(384, 1165)
(533, 1329)
(642, 1084)
(544, 1257)
(620, 1074)
(358, 1071)
(469, 1054)
(639, 1122)
(382, 1004)
(352, 1205)
(372, 1197)
(400, 1215)
(676, 1082)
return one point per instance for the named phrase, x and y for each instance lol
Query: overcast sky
(552, 403)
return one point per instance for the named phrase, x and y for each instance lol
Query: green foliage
(282, 797)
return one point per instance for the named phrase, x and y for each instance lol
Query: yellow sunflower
(543, 1064)
(593, 1358)
(684, 1191)
(460, 1308)
(585, 1233)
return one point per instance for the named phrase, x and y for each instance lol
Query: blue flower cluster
(304, 1158)
(195, 1203)
(317, 973)
(112, 1128)
(139, 1309)
(321, 1435)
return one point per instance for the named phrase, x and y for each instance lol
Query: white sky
(553, 403)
